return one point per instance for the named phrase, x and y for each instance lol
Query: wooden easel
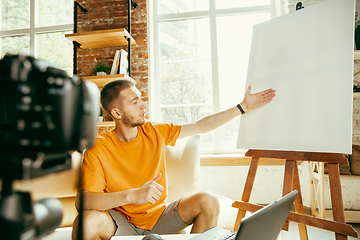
(292, 182)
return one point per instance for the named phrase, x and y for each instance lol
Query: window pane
(55, 48)
(186, 94)
(185, 66)
(15, 14)
(187, 82)
(221, 4)
(184, 40)
(185, 72)
(180, 6)
(15, 45)
(51, 13)
(233, 52)
(238, 31)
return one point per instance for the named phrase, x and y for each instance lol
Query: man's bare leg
(98, 225)
(202, 209)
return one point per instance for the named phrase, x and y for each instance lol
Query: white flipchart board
(308, 57)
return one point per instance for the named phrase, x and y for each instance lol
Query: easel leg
(288, 183)
(299, 207)
(247, 189)
(336, 196)
(288, 176)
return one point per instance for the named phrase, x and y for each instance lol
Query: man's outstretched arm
(216, 120)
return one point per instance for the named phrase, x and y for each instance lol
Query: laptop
(265, 223)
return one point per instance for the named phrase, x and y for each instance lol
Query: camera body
(44, 116)
(44, 109)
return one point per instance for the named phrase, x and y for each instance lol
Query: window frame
(275, 7)
(32, 31)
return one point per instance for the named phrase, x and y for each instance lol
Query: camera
(44, 116)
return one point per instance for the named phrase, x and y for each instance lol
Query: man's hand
(258, 99)
(150, 192)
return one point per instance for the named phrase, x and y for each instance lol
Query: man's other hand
(150, 192)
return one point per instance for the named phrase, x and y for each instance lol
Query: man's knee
(201, 202)
(96, 224)
(208, 202)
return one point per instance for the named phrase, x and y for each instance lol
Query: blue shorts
(169, 222)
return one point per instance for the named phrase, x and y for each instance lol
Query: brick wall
(113, 14)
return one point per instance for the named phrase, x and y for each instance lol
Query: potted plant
(101, 69)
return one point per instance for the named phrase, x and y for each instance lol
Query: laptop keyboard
(230, 236)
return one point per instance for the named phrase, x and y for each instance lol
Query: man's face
(132, 108)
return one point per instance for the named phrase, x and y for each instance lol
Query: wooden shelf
(100, 81)
(106, 124)
(102, 38)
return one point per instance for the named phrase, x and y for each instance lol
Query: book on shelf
(120, 64)
(124, 63)
(115, 65)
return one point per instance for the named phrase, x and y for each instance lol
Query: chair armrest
(183, 167)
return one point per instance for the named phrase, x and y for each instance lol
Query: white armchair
(184, 177)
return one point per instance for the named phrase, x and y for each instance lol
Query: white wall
(230, 181)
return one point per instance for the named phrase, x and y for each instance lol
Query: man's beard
(129, 120)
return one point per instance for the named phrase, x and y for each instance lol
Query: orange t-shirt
(113, 165)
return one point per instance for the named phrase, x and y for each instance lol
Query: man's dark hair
(111, 91)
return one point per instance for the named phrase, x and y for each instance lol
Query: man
(124, 177)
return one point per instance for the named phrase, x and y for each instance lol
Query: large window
(200, 54)
(38, 28)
